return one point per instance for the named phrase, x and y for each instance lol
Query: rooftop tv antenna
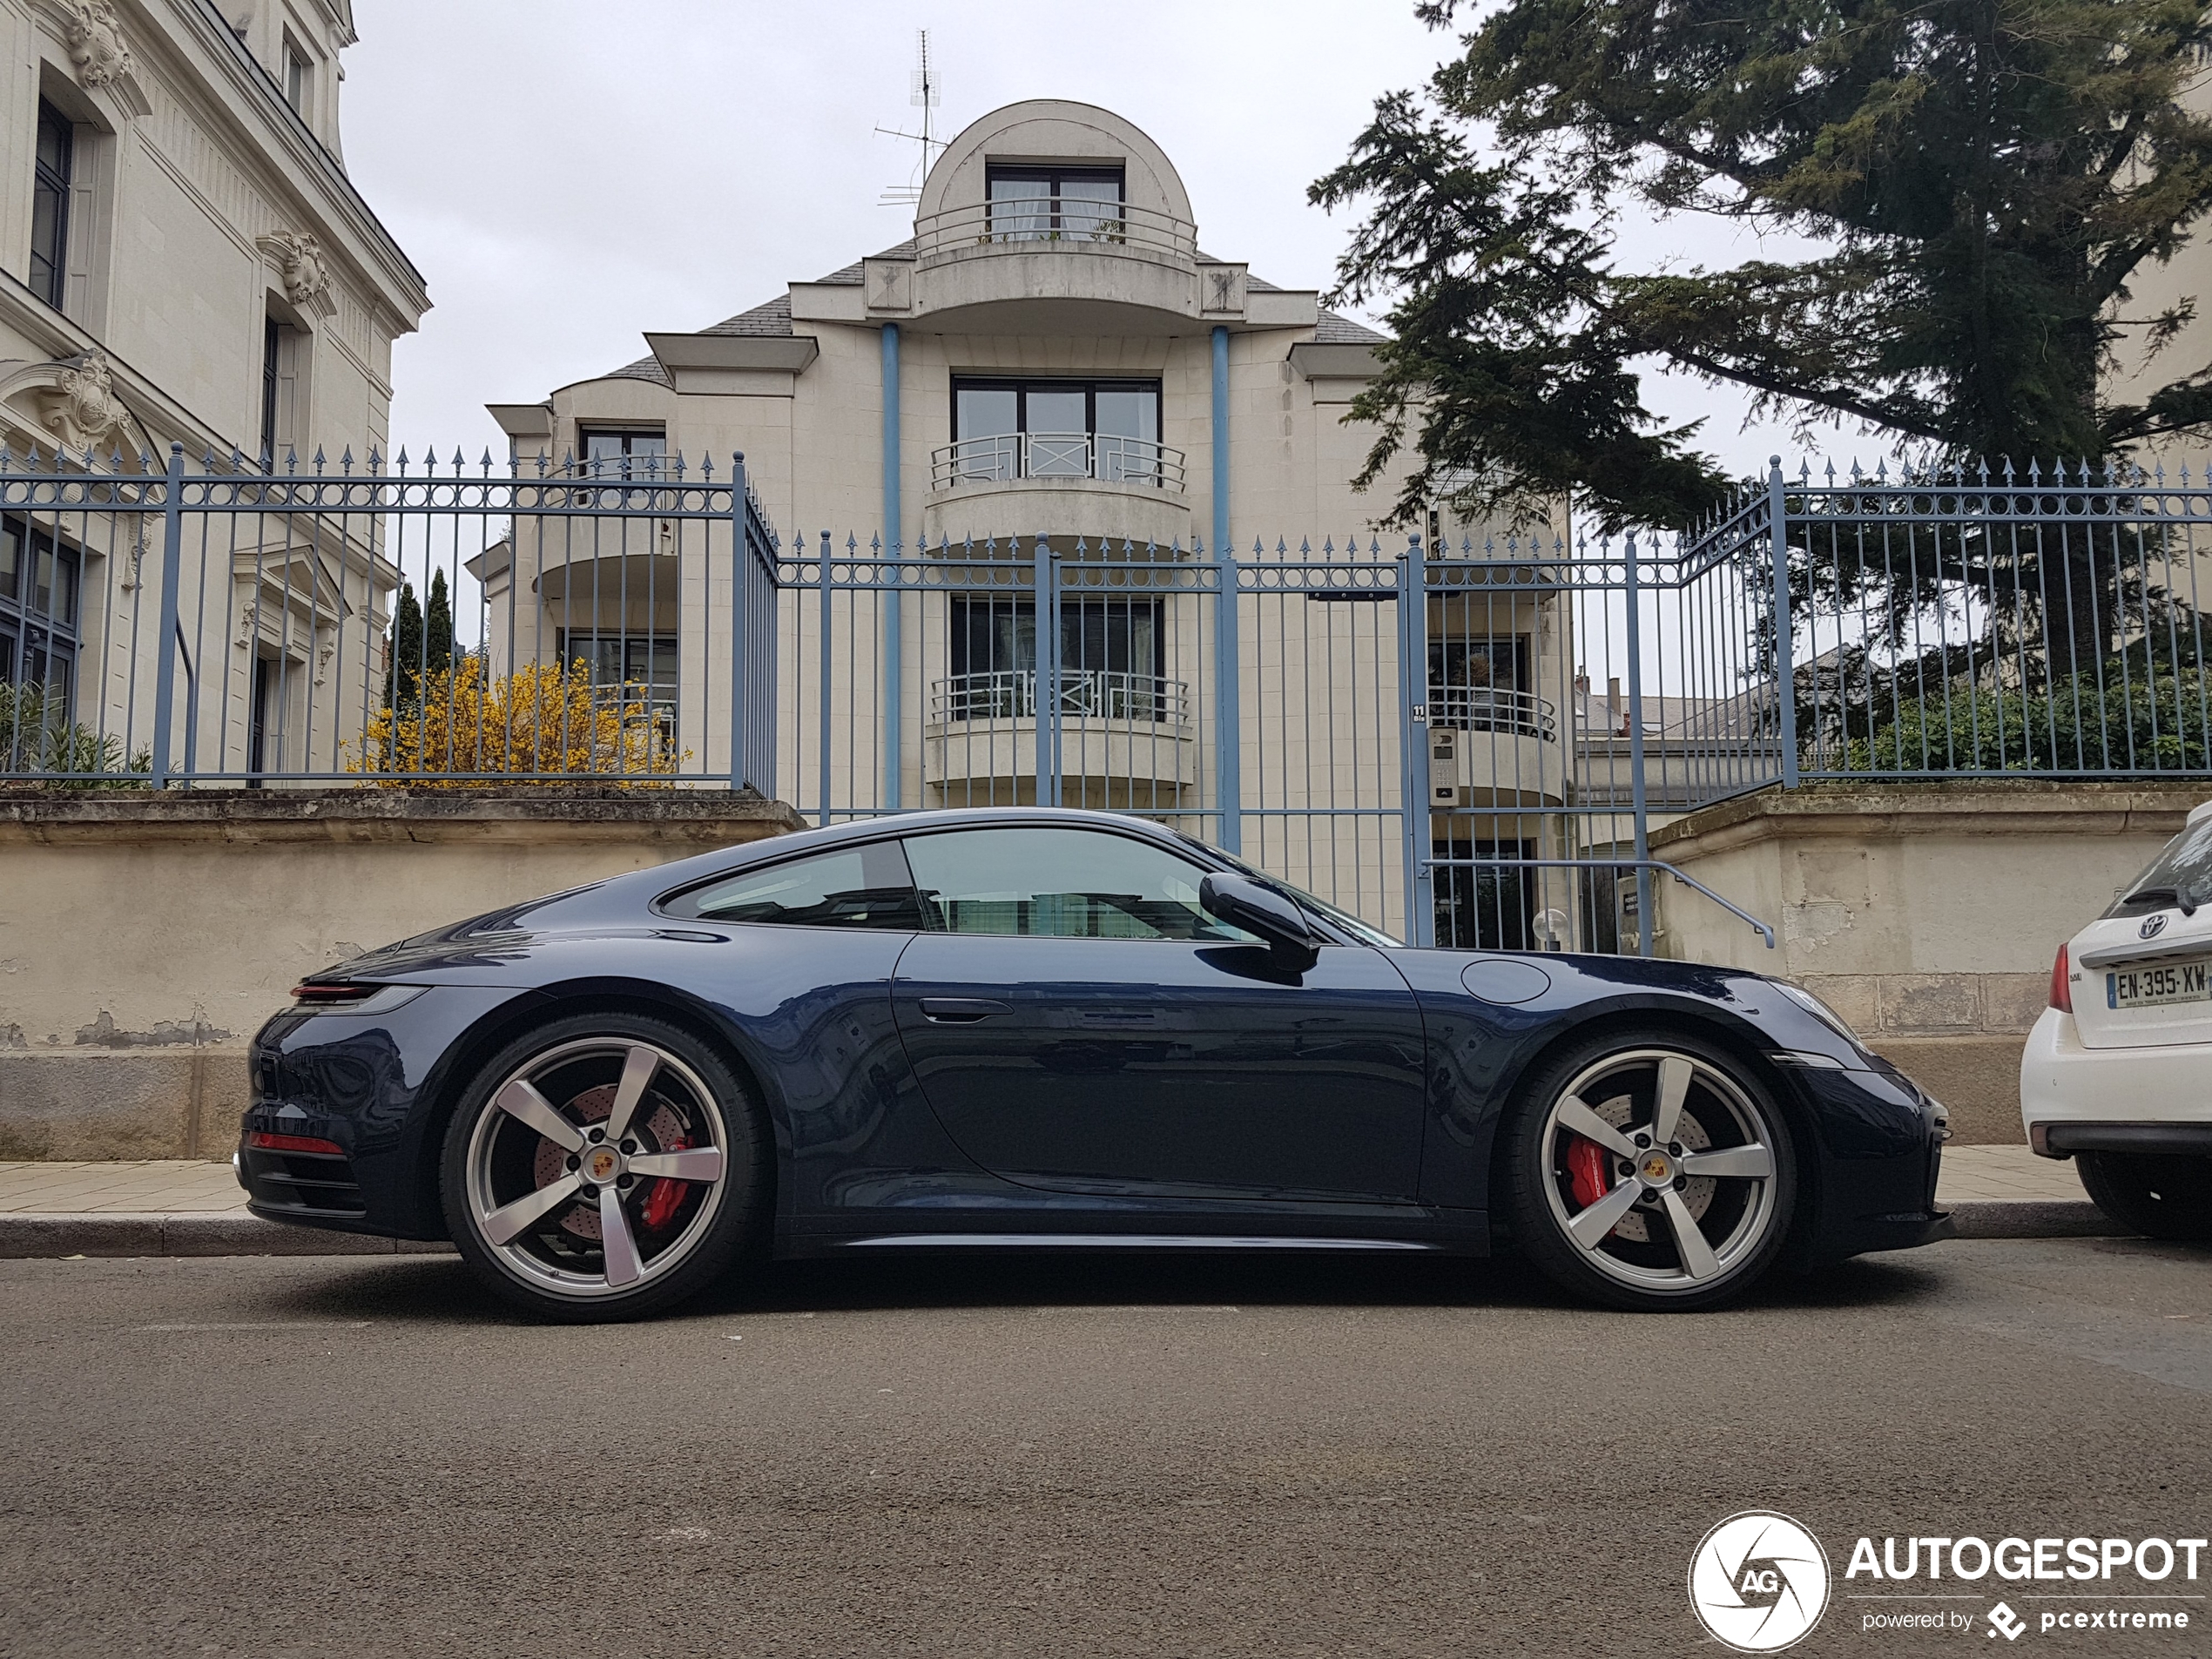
(926, 96)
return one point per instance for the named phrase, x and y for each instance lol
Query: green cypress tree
(402, 667)
(437, 627)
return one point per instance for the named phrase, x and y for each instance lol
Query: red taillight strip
(262, 1141)
(311, 992)
(2062, 985)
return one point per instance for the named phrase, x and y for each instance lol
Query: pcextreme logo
(1759, 1581)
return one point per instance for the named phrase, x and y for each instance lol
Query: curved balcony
(1491, 748)
(1106, 456)
(1097, 485)
(1054, 224)
(1055, 265)
(1123, 737)
(1489, 708)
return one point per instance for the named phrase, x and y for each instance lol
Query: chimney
(1615, 721)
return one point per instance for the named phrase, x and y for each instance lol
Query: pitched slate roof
(772, 318)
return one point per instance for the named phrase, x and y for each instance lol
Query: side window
(1059, 883)
(861, 886)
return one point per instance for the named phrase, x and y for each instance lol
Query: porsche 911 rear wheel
(603, 1167)
(1649, 1171)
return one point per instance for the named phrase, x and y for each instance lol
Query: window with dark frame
(261, 695)
(1112, 659)
(39, 579)
(50, 176)
(622, 452)
(1044, 202)
(1006, 427)
(272, 348)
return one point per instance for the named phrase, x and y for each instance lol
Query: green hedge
(2078, 725)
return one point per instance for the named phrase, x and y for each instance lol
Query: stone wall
(144, 937)
(1926, 915)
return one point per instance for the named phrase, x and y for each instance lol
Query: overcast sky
(567, 175)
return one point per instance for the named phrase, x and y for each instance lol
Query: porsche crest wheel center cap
(1656, 1170)
(600, 1164)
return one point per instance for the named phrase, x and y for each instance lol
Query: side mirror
(1244, 903)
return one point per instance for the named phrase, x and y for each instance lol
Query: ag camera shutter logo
(1759, 1581)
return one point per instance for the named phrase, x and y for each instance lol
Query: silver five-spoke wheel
(1662, 1172)
(596, 1167)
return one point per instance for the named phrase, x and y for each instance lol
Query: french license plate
(2148, 988)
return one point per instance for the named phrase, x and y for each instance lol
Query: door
(1078, 1023)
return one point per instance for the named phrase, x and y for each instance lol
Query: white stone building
(1052, 354)
(183, 260)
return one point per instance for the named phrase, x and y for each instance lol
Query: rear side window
(858, 886)
(2180, 875)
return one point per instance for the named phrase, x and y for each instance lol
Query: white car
(2118, 1071)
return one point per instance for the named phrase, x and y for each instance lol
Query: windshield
(1351, 924)
(2181, 875)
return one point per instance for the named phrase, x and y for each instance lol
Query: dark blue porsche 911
(1059, 1030)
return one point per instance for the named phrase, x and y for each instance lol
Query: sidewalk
(173, 1207)
(153, 1207)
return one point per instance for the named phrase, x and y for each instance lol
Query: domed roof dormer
(1050, 215)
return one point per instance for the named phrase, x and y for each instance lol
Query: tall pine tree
(1986, 177)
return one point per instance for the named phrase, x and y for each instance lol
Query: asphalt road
(356, 1456)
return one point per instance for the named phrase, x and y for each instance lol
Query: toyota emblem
(2153, 926)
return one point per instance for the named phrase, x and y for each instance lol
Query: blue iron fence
(1465, 743)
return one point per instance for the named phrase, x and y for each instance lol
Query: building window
(1111, 660)
(284, 351)
(622, 453)
(55, 167)
(628, 668)
(1050, 204)
(264, 734)
(1057, 429)
(39, 622)
(298, 83)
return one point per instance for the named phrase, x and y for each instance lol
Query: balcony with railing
(1119, 731)
(1492, 708)
(1101, 485)
(1492, 746)
(1054, 224)
(1057, 265)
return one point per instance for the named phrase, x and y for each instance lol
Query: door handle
(960, 1010)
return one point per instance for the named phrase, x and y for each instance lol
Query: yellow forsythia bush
(544, 718)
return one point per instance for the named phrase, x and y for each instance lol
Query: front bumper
(2077, 1099)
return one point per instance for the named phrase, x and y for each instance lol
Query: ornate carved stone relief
(81, 409)
(96, 44)
(300, 262)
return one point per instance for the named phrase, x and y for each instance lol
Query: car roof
(775, 848)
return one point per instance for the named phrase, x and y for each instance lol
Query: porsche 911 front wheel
(1649, 1171)
(603, 1167)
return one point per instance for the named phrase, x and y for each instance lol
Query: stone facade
(1926, 915)
(184, 260)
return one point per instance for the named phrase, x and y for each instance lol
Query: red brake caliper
(1586, 1166)
(668, 1193)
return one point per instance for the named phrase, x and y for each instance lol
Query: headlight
(1820, 1011)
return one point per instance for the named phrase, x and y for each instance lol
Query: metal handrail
(1083, 693)
(1107, 456)
(1489, 708)
(1053, 223)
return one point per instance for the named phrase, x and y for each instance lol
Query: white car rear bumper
(2062, 1083)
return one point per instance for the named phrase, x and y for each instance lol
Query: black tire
(639, 1242)
(2159, 1196)
(1640, 1259)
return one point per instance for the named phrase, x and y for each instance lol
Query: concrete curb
(228, 1233)
(27, 1235)
(2056, 1219)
